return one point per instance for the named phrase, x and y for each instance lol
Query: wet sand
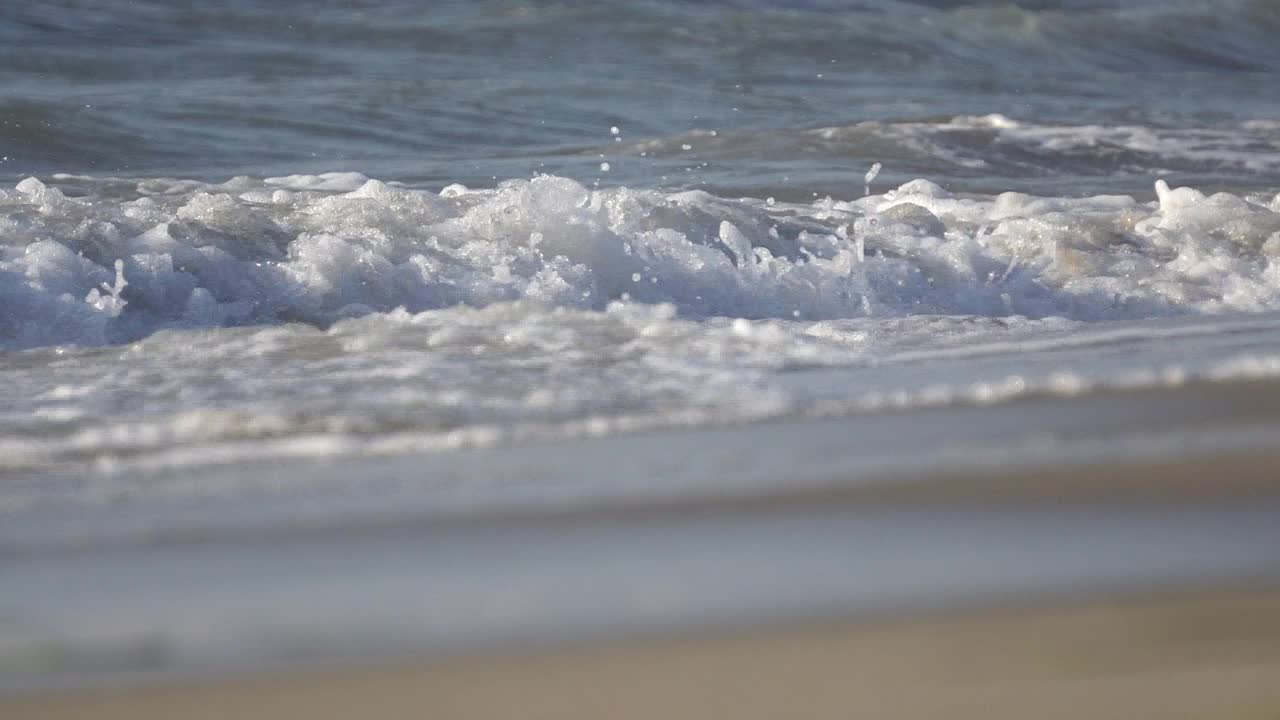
(1198, 654)
(1182, 650)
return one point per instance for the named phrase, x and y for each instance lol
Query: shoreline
(1146, 586)
(1197, 653)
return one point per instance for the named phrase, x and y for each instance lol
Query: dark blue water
(475, 92)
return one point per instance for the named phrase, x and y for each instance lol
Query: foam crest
(995, 143)
(102, 268)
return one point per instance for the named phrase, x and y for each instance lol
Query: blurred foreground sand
(1202, 654)
(1192, 652)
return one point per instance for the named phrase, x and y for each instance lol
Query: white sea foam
(334, 315)
(318, 249)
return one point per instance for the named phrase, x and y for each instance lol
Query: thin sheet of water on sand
(396, 570)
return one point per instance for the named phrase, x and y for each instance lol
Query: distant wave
(472, 91)
(991, 148)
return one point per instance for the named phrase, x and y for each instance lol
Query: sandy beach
(1154, 636)
(1195, 654)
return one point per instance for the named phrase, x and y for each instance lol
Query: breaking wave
(93, 261)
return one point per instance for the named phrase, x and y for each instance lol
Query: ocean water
(231, 231)
(244, 243)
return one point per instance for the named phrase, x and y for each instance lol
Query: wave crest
(317, 249)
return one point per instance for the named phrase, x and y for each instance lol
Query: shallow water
(267, 602)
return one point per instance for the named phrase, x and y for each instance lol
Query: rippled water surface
(771, 97)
